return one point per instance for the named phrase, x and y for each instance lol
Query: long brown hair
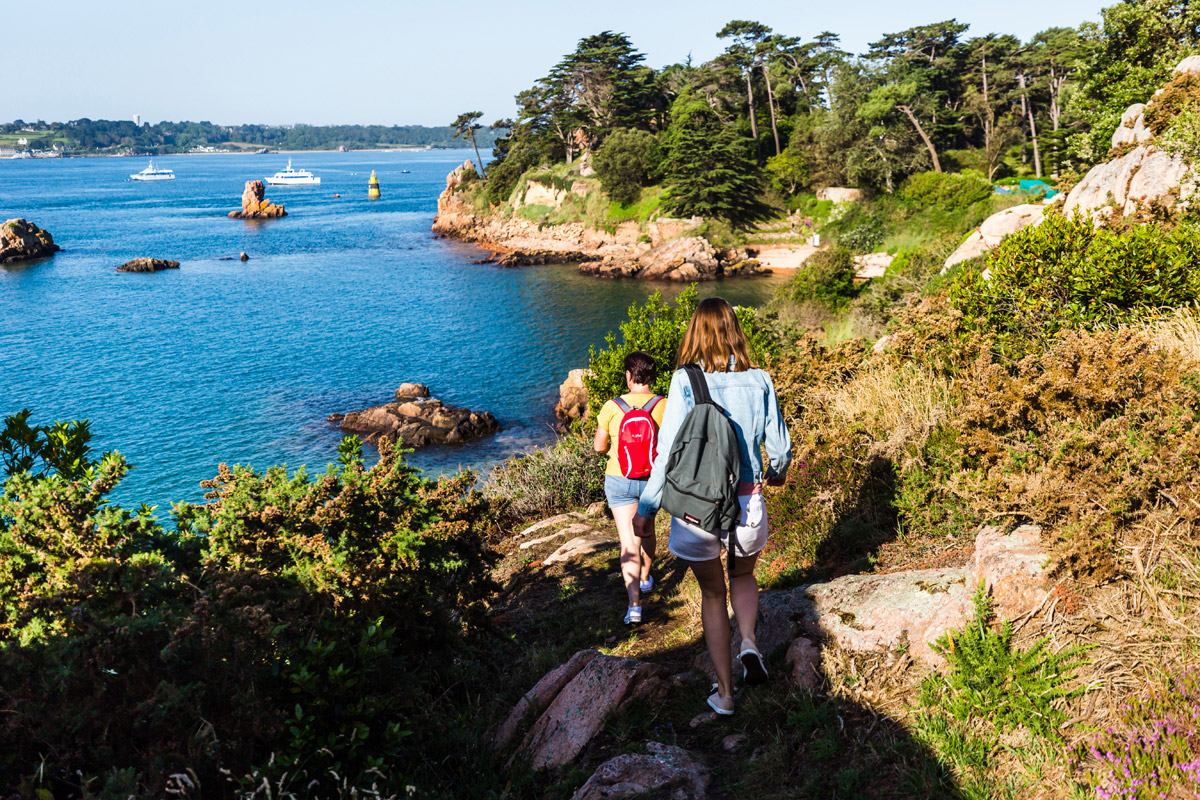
(712, 336)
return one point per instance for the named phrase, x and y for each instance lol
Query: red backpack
(637, 438)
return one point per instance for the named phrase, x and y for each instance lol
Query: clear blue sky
(395, 62)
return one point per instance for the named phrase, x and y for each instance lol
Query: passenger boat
(293, 177)
(152, 174)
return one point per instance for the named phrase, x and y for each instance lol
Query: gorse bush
(1181, 93)
(293, 628)
(1065, 273)
(948, 190)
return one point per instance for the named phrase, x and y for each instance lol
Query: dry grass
(897, 402)
(1179, 332)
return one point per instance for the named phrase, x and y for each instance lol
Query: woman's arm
(776, 437)
(600, 443)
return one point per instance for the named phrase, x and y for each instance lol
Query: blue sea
(341, 301)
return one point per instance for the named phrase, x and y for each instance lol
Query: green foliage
(566, 475)
(625, 163)
(827, 277)
(60, 449)
(261, 637)
(709, 172)
(790, 171)
(1065, 273)
(1182, 92)
(990, 679)
(947, 190)
(655, 327)
(855, 227)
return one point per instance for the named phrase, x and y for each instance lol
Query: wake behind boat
(293, 177)
(152, 174)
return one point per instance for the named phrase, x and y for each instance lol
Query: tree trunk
(771, 105)
(478, 158)
(753, 121)
(937, 165)
(1037, 156)
(1024, 111)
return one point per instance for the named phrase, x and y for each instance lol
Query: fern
(990, 679)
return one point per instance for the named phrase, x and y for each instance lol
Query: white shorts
(694, 544)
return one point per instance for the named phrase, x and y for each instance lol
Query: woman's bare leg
(715, 617)
(743, 596)
(631, 552)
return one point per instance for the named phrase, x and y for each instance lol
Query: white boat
(293, 177)
(152, 174)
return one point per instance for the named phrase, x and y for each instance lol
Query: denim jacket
(748, 400)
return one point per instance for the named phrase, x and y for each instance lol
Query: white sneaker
(634, 615)
(646, 585)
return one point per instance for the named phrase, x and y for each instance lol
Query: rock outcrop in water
(664, 251)
(255, 205)
(147, 265)
(417, 420)
(21, 240)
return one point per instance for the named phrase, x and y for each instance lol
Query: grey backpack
(703, 466)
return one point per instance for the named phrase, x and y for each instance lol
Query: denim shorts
(622, 491)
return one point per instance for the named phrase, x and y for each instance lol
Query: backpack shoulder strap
(621, 404)
(699, 384)
(649, 405)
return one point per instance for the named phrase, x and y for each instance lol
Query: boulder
(417, 422)
(534, 701)
(804, 660)
(840, 194)
(579, 709)
(1189, 66)
(880, 612)
(994, 229)
(593, 542)
(688, 258)
(147, 265)
(872, 265)
(255, 205)
(1013, 567)
(572, 399)
(663, 771)
(21, 240)
(1132, 128)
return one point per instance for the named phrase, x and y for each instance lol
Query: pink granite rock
(804, 658)
(540, 696)
(578, 711)
(1013, 567)
(665, 771)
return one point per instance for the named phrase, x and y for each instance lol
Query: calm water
(341, 301)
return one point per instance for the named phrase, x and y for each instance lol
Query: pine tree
(708, 168)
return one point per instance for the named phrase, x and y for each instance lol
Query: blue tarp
(1032, 186)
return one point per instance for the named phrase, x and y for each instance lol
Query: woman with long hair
(714, 340)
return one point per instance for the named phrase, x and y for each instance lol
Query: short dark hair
(642, 367)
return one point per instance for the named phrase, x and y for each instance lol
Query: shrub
(855, 228)
(827, 277)
(1180, 93)
(262, 636)
(1153, 749)
(1065, 273)
(657, 328)
(566, 475)
(625, 163)
(950, 191)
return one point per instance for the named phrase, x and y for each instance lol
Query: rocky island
(148, 265)
(21, 240)
(255, 205)
(417, 420)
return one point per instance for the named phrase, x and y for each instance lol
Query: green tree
(747, 53)
(708, 172)
(464, 128)
(625, 162)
